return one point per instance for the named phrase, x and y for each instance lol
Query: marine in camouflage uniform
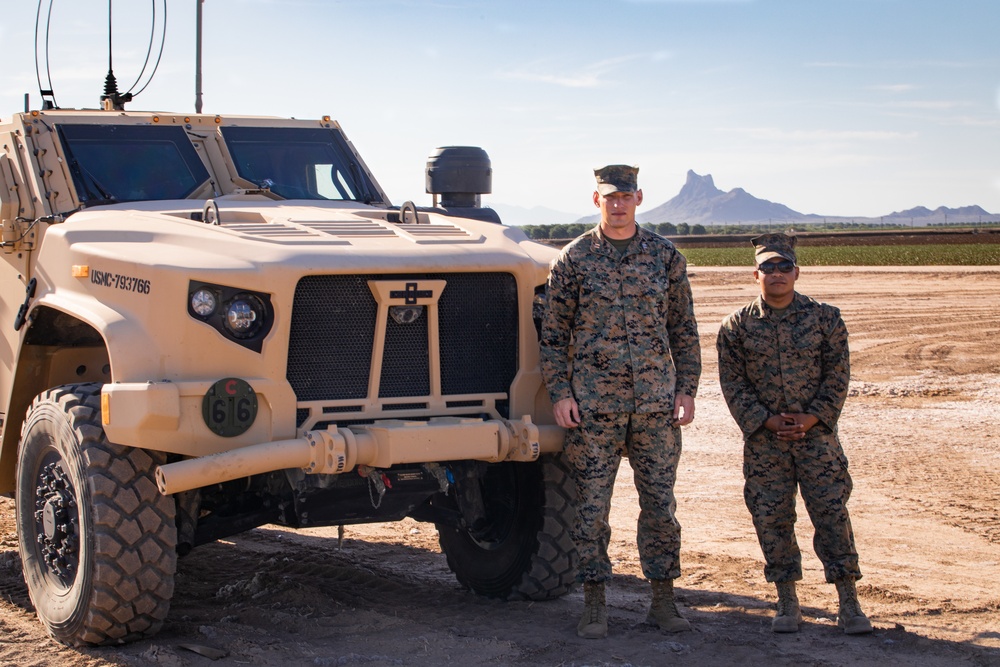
(784, 368)
(621, 360)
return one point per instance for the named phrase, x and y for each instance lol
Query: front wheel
(524, 550)
(97, 538)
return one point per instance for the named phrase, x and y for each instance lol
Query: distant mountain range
(700, 202)
(539, 215)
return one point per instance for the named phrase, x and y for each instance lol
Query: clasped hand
(791, 425)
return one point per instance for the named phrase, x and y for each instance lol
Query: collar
(760, 310)
(599, 243)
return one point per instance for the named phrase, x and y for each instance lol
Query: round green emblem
(230, 407)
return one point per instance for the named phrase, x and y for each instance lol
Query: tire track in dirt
(13, 589)
(276, 569)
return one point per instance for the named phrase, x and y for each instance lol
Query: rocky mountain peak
(699, 201)
(698, 187)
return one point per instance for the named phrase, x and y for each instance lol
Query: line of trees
(574, 229)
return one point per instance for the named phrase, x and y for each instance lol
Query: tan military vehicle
(212, 323)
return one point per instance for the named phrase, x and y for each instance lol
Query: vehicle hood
(312, 236)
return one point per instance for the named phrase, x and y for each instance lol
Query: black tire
(97, 538)
(525, 552)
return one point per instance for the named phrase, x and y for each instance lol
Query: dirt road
(922, 433)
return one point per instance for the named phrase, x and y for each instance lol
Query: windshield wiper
(105, 196)
(361, 183)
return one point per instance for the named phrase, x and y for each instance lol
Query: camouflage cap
(769, 246)
(616, 178)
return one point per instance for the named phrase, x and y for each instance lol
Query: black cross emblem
(411, 294)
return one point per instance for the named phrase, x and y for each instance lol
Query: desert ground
(920, 429)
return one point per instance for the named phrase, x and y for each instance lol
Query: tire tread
(133, 525)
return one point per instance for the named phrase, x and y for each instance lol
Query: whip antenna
(112, 100)
(48, 96)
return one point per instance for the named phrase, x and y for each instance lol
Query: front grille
(330, 348)
(333, 326)
(405, 366)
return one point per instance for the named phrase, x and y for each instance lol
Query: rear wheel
(97, 538)
(524, 550)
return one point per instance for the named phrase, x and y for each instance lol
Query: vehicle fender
(34, 372)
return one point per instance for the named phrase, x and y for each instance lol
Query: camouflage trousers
(593, 452)
(773, 469)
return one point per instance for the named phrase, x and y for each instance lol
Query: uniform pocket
(758, 345)
(599, 289)
(808, 341)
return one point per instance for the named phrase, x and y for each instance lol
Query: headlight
(203, 302)
(244, 315)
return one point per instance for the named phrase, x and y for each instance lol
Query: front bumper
(379, 445)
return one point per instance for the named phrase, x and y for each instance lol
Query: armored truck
(211, 323)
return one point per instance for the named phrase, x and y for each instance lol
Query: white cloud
(900, 64)
(928, 105)
(972, 121)
(689, 2)
(801, 136)
(894, 87)
(835, 64)
(590, 76)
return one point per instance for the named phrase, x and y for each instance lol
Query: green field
(970, 254)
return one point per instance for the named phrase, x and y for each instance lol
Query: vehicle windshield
(299, 163)
(124, 163)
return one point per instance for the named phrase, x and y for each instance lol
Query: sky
(832, 107)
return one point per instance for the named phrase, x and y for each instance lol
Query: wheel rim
(57, 522)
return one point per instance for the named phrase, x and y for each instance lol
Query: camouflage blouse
(619, 332)
(796, 363)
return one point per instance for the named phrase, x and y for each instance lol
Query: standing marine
(621, 360)
(784, 368)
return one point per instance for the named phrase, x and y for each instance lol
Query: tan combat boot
(663, 611)
(788, 615)
(594, 621)
(850, 616)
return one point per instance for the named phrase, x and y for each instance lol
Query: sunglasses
(781, 267)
